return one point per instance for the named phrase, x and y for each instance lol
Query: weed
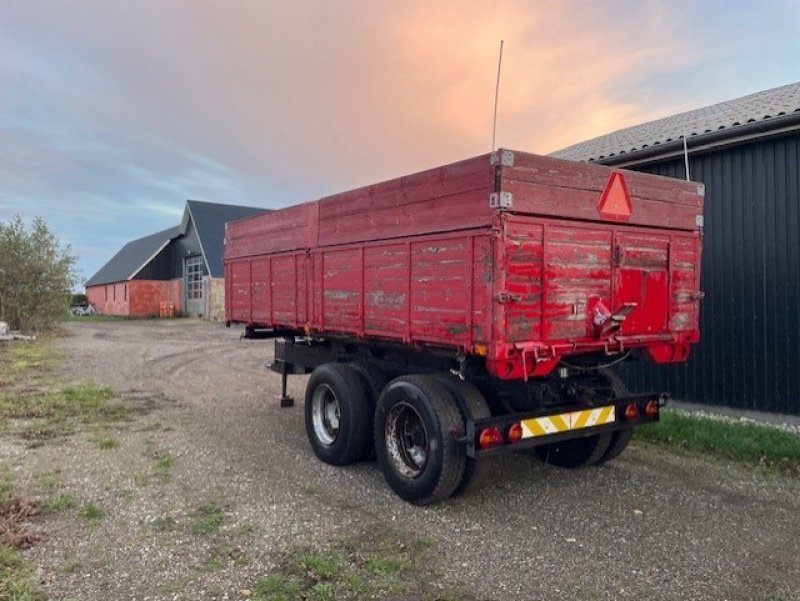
(165, 523)
(744, 442)
(48, 481)
(59, 502)
(71, 567)
(276, 588)
(377, 563)
(221, 556)
(92, 513)
(109, 442)
(207, 519)
(16, 578)
(309, 490)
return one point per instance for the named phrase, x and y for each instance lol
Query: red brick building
(179, 267)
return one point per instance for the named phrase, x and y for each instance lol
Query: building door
(193, 285)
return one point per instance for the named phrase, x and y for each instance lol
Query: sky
(112, 114)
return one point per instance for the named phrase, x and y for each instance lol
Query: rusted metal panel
(438, 257)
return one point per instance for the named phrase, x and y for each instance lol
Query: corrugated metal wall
(749, 356)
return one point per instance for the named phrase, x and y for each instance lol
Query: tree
(36, 276)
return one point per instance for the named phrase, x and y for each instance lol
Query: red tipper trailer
(472, 308)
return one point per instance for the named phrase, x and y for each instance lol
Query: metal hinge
(507, 297)
(501, 200)
(503, 157)
(699, 221)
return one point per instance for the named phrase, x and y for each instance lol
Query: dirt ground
(208, 445)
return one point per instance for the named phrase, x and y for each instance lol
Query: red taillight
(631, 412)
(651, 409)
(490, 437)
(514, 434)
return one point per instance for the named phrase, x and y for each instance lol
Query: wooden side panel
(523, 280)
(285, 292)
(441, 278)
(282, 230)
(685, 263)
(239, 286)
(577, 268)
(386, 273)
(341, 290)
(261, 272)
(444, 199)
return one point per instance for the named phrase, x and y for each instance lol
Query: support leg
(286, 400)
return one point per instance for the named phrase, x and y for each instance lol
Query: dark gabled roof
(746, 116)
(209, 219)
(132, 257)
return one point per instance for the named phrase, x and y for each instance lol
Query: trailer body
(509, 255)
(465, 310)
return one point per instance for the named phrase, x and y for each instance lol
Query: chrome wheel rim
(407, 440)
(325, 415)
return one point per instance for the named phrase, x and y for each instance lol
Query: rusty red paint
(424, 259)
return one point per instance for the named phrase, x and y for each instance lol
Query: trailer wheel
(473, 406)
(620, 438)
(578, 452)
(337, 414)
(375, 381)
(417, 427)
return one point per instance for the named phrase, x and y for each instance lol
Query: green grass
(378, 563)
(60, 502)
(17, 582)
(165, 523)
(207, 519)
(92, 513)
(106, 443)
(38, 404)
(742, 442)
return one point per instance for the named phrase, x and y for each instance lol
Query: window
(194, 277)
(126, 292)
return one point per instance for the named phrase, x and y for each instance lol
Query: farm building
(747, 152)
(180, 267)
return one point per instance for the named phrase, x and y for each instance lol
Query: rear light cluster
(493, 436)
(634, 411)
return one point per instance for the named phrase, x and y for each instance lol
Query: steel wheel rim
(407, 440)
(325, 415)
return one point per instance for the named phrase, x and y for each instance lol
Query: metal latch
(507, 297)
(501, 200)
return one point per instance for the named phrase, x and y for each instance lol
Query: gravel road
(646, 526)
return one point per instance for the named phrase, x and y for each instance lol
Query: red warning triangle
(615, 202)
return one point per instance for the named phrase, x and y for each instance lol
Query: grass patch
(207, 519)
(379, 563)
(92, 513)
(60, 502)
(165, 523)
(222, 556)
(16, 579)
(106, 443)
(38, 404)
(747, 443)
(71, 567)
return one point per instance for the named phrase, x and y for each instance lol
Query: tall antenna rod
(496, 95)
(686, 155)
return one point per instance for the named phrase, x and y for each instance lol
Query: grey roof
(132, 257)
(209, 219)
(718, 121)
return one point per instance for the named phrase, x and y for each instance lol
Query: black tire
(473, 406)
(417, 424)
(575, 453)
(620, 438)
(375, 381)
(337, 412)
